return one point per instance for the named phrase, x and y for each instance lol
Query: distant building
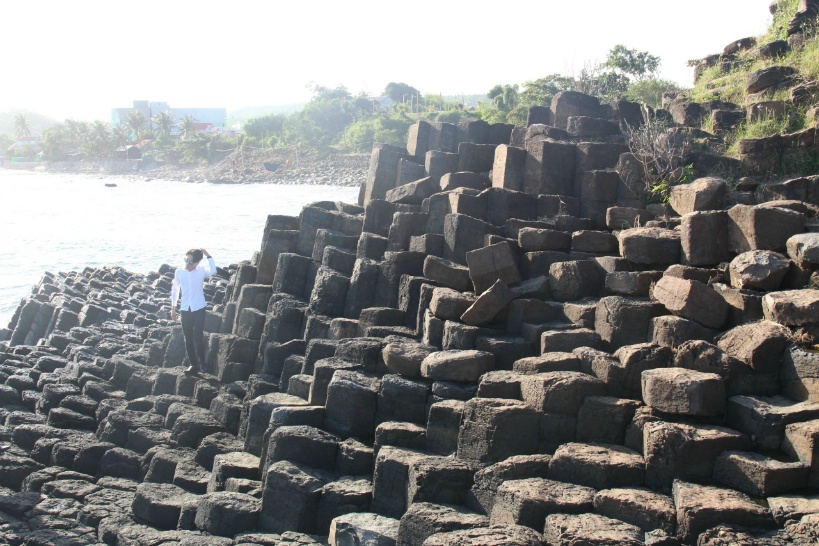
(382, 102)
(24, 153)
(27, 145)
(215, 117)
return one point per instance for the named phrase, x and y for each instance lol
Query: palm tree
(75, 132)
(135, 120)
(164, 123)
(99, 138)
(187, 126)
(119, 135)
(21, 128)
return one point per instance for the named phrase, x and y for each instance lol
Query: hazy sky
(80, 58)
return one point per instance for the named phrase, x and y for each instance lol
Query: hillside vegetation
(788, 107)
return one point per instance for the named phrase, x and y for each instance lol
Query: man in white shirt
(190, 280)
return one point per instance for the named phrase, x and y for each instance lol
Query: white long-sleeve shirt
(191, 283)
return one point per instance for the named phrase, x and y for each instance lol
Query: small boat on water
(110, 185)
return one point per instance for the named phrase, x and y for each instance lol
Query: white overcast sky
(80, 58)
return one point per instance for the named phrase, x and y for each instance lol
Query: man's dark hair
(196, 254)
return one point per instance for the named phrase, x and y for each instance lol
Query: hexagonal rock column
(481, 497)
(508, 535)
(232, 465)
(704, 238)
(528, 502)
(764, 419)
(302, 444)
(576, 279)
(792, 307)
(492, 263)
(405, 358)
(624, 321)
(684, 392)
(641, 507)
(803, 248)
(762, 228)
(679, 450)
(190, 428)
(160, 504)
(340, 497)
(440, 479)
(800, 374)
(363, 528)
(227, 514)
(802, 441)
(700, 507)
(493, 429)
(758, 475)
(650, 245)
(701, 194)
(390, 479)
(488, 304)
(291, 498)
(352, 398)
(597, 465)
(453, 365)
(565, 529)
(559, 392)
(758, 270)
(258, 417)
(424, 519)
(692, 300)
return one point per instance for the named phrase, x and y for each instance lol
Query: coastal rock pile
(497, 345)
(500, 344)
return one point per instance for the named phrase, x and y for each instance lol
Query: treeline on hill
(336, 117)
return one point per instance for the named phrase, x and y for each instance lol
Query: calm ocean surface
(56, 222)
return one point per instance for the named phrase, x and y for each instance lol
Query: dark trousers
(193, 323)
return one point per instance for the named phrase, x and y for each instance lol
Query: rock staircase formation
(499, 344)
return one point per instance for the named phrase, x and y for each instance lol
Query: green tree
(75, 133)
(540, 92)
(324, 119)
(98, 141)
(53, 141)
(321, 93)
(136, 122)
(264, 127)
(301, 130)
(505, 97)
(639, 65)
(399, 92)
(164, 123)
(594, 79)
(187, 127)
(383, 128)
(21, 128)
(120, 136)
(651, 91)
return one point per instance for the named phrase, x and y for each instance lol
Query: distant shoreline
(305, 168)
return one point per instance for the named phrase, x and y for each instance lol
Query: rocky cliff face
(499, 344)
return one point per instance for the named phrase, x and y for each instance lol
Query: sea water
(66, 222)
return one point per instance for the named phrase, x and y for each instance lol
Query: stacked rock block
(497, 345)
